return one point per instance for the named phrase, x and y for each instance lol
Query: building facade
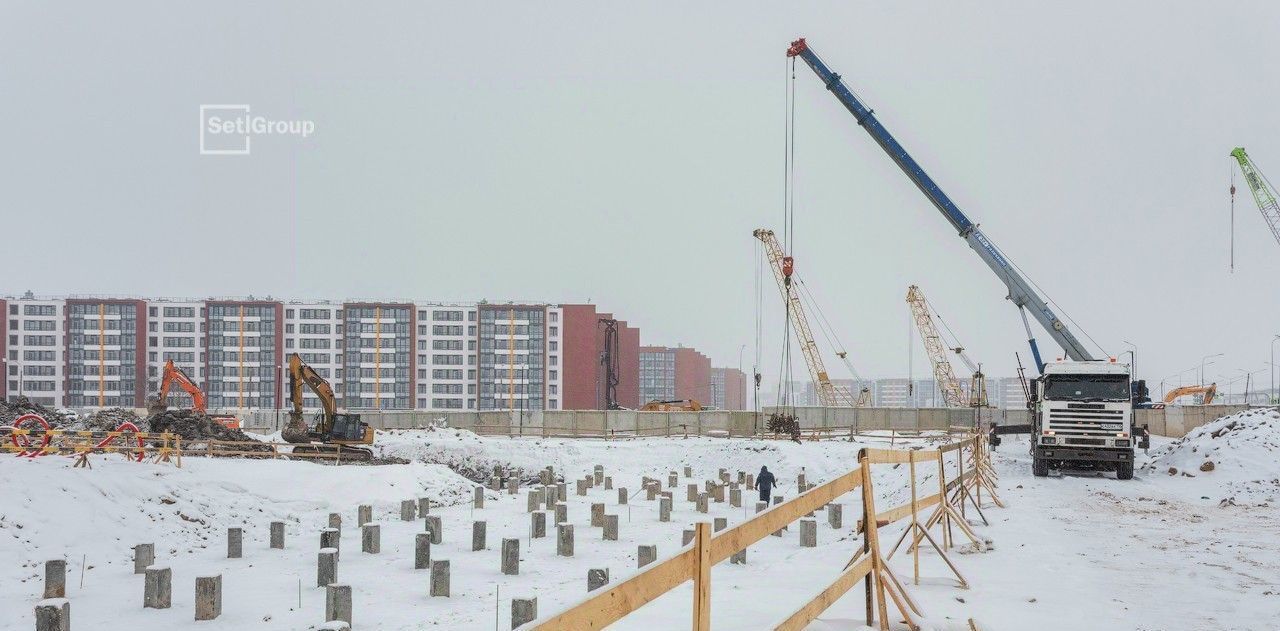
(583, 369)
(100, 352)
(729, 389)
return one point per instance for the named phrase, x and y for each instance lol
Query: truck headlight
(1122, 443)
(1049, 440)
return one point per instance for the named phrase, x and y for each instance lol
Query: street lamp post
(1133, 357)
(1202, 364)
(1272, 392)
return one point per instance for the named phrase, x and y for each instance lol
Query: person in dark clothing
(765, 483)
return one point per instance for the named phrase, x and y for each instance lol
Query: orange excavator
(199, 402)
(1206, 394)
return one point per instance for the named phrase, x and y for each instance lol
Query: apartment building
(378, 358)
(244, 360)
(175, 331)
(729, 389)
(1007, 393)
(447, 376)
(105, 352)
(36, 357)
(584, 372)
(668, 374)
(314, 330)
(519, 357)
(93, 352)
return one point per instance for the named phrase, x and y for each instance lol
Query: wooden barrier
(694, 562)
(135, 445)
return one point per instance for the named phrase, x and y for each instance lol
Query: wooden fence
(973, 475)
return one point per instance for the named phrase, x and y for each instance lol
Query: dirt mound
(10, 411)
(1238, 455)
(194, 427)
(108, 420)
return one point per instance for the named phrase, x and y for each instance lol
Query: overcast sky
(622, 153)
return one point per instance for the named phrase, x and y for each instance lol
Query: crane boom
(828, 395)
(943, 374)
(1263, 193)
(1020, 290)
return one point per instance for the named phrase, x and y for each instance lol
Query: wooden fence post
(702, 577)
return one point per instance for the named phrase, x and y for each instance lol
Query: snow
(1070, 552)
(1241, 455)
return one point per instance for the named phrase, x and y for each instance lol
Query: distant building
(728, 389)
(245, 351)
(584, 371)
(87, 352)
(669, 374)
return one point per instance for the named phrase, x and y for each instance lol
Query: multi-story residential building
(728, 389)
(105, 352)
(36, 359)
(447, 376)
(314, 330)
(584, 371)
(519, 346)
(669, 374)
(1007, 393)
(175, 331)
(92, 352)
(379, 361)
(244, 360)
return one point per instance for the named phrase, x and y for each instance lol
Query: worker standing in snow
(765, 483)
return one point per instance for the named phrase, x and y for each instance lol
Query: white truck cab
(1082, 417)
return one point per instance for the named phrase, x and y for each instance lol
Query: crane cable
(788, 224)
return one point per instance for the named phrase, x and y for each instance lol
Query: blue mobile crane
(1081, 410)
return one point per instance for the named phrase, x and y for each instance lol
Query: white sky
(623, 152)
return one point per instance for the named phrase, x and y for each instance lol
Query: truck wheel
(1039, 467)
(1124, 470)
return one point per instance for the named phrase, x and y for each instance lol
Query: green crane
(1263, 192)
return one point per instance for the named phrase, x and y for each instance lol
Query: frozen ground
(1071, 552)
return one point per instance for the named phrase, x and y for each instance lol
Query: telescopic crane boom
(1021, 292)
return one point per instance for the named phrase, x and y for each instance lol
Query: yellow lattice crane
(781, 264)
(943, 374)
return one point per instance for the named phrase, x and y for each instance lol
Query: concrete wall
(1173, 422)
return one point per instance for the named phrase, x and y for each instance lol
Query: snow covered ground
(1071, 552)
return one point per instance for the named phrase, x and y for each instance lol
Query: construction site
(823, 399)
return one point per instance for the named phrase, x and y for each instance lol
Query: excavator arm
(1208, 392)
(172, 375)
(301, 374)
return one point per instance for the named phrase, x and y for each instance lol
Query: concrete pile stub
(327, 567)
(53, 614)
(55, 578)
(208, 597)
(157, 589)
(337, 603)
(440, 578)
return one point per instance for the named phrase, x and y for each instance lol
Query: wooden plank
(827, 597)
(702, 578)
(605, 608)
(891, 456)
(728, 542)
(898, 512)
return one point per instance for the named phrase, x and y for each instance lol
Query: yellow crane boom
(943, 374)
(828, 394)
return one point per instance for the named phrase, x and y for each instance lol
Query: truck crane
(783, 267)
(1082, 410)
(1263, 193)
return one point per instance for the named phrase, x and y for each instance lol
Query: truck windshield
(1087, 388)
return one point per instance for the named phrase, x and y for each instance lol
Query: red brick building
(671, 374)
(583, 375)
(729, 389)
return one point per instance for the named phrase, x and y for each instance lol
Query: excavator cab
(349, 428)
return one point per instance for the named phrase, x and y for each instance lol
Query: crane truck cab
(1082, 417)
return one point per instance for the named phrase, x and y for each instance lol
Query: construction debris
(195, 427)
(10, 411)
